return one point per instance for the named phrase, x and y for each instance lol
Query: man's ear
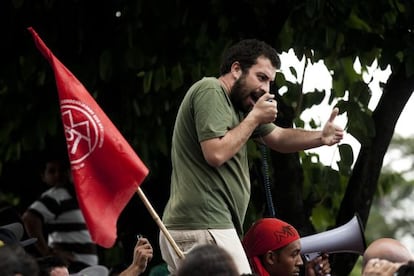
(236, 70)
(269, 257)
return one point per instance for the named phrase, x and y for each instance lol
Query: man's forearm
(287, 140)
(219, 150)
(132, 270)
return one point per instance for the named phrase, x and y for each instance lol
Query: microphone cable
(266, 180)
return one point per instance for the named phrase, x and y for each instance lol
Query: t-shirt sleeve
(263, 130)
(47, 206)
(212, 115)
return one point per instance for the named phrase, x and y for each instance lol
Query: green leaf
(105, 65)
(360, 93)
(330, 37)
(147, 81)
(409, 65)
(293, 71)
(285, 37)
(136, 108)
(346, 154)
(340, 39)
(355, 22)
(322, 218)
(369, 57)
(313, 98)
(360, 124)
(177, 76)
(338, 87)
(311, 6)
(347, 158)
(18, 3)
(160, 78)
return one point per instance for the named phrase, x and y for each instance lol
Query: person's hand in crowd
(143, 253)
(380, 267)
(319, 266)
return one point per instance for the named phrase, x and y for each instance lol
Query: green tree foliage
(339, 32)
(395, 189)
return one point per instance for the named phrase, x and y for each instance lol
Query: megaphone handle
(311, 256)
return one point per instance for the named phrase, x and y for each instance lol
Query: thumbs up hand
(331, 133)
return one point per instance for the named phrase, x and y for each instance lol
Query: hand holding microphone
(266, 107)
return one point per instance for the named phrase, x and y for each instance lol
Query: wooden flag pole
(159, 222)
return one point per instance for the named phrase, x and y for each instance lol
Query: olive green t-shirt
(201, 196)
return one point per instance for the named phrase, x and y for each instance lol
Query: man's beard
(238, 93)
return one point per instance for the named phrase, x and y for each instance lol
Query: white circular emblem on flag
(83, 130)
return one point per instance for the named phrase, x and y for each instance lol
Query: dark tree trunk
(364, 180)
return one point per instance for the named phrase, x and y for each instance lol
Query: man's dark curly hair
(246, 53)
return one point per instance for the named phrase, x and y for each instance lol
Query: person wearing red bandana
(273, 249)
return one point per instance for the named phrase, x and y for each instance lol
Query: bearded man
(210, 182)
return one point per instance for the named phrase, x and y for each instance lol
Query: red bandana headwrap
(265, 235)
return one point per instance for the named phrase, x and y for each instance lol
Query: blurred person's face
(59, 271)
(55, 174)
(284, 262)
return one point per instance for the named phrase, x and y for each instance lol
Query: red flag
(106, 171)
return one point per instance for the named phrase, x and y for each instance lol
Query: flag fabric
(106, 171)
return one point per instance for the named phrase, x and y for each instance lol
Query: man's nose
(265, 87)
(299, 260)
